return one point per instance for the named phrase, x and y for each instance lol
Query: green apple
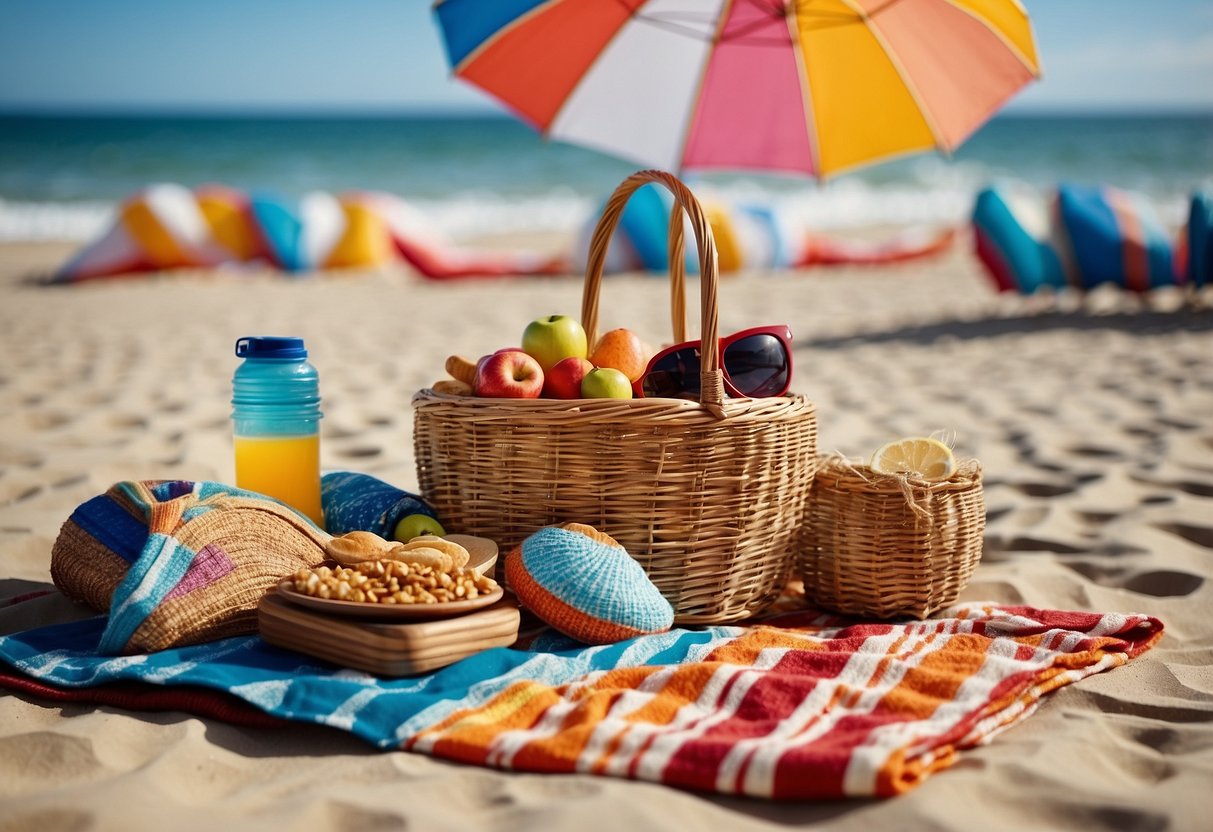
(606, 383)
(416, 525)
(553, 338)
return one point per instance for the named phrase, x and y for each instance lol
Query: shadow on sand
(1138, 323)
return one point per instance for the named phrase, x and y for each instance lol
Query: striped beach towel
(804, 706)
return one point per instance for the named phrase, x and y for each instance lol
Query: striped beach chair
(1113, 236)
(1082, 237)
(1196, 250)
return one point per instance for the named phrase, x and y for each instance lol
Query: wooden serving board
(400, 649)
(482, 552)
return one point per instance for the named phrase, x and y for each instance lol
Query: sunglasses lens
(757, 365)
(675, 376)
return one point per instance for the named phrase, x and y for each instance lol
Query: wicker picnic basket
(889, 546)
(707, 496)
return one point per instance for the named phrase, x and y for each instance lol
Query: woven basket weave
(239, 546)
(887, 546)
(707, 496)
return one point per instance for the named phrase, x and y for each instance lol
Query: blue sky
(384, 55)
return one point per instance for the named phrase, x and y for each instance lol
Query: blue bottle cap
(270, 346)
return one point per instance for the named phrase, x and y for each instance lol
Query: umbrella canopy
(808, 86)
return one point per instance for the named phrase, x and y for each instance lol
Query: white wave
(467, 214)
(462, 215)
(933, 194)
(837, 205)
(41, 221)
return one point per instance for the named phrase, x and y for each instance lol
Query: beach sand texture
(1095, 430)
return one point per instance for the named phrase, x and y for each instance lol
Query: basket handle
(711, 386)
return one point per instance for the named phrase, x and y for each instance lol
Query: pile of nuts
(392, 582)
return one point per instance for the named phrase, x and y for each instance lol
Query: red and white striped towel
(807, 706)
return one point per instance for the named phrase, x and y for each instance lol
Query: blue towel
(359, 502)
(385, 712)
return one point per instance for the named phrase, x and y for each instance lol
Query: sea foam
(468, 214)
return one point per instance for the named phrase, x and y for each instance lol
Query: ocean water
(61, 177)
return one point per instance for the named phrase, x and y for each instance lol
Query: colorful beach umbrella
(808, 86)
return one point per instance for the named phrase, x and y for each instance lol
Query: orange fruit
(621, 349)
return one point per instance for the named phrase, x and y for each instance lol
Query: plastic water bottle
(276, 416)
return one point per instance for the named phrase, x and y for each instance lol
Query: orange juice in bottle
(276, 420)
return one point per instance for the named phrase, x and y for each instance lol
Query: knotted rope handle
(711, 388)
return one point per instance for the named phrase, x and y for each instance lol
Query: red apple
(509, 374)
(563, 381)
(552, 338)
(484, 358)
(606, 383)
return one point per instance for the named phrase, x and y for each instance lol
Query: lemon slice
(919, 456)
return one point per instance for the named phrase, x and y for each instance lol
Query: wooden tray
(400, 649)
(482, 552)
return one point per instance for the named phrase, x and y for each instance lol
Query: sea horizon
(476, 171)
(489, 110)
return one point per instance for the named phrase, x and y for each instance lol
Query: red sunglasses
(756, 363)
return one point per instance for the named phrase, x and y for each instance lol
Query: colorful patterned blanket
(804, 706)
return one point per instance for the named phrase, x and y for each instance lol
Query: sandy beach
(1094, 425)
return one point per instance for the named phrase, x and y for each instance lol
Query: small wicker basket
(707, 496)
(890, 546)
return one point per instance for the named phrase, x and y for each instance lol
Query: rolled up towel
(355, 502)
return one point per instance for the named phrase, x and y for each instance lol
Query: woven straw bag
(889, 546)
(707, 496)
(117, 552)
